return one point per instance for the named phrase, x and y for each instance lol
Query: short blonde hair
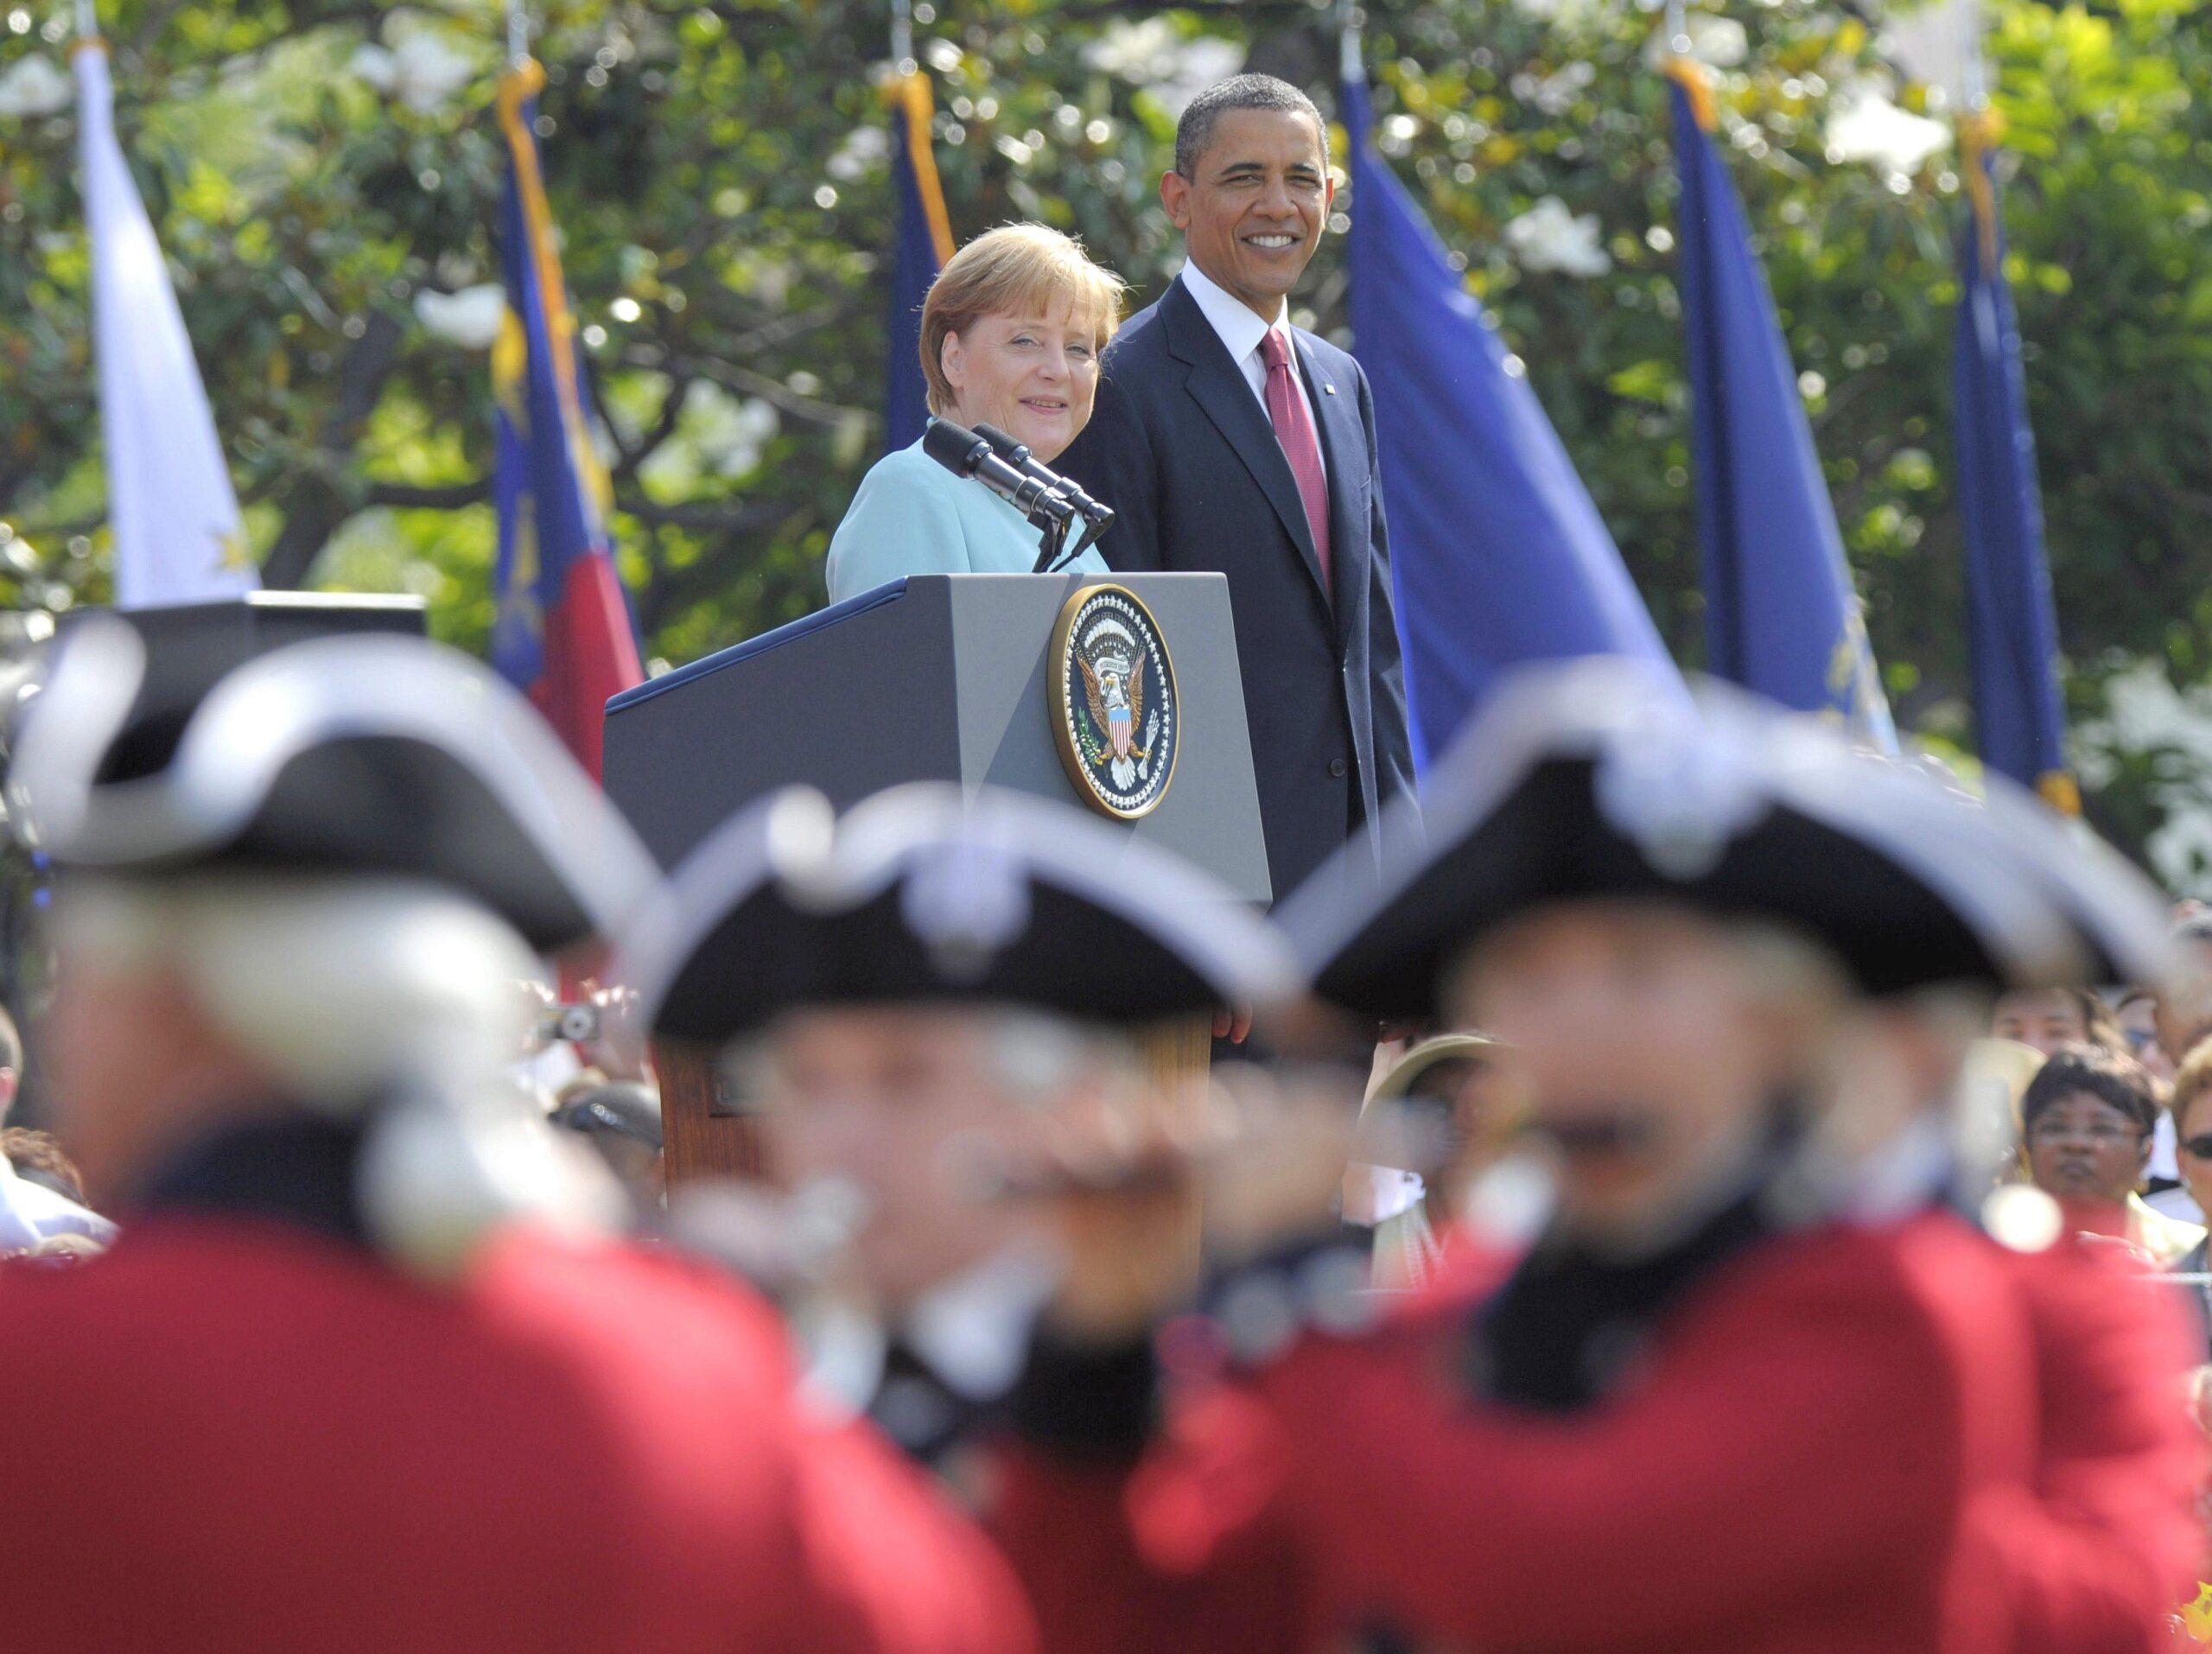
(1015, 270)
(2191, 1081)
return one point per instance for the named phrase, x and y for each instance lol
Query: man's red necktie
(1294, 431)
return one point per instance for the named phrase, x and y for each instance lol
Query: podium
(941, 677)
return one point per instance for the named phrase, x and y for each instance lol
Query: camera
(578, 1023)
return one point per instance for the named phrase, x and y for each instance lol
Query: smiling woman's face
(1035, 378)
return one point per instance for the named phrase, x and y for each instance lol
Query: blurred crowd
(1695, 1186)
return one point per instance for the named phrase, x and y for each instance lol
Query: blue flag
(1781, 617)
(2010, 625)
(925, 246)
(563, 633)
(1497, 555)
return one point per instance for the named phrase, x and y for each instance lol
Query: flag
(1497, 555)
(2010, 625)
(178, 536)
(563, 632)
(1781, 617)
(925, 245)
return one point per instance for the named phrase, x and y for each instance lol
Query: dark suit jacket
(1180, 448)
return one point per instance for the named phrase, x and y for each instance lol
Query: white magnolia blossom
(1864, 126)
(1555, 93)
(1565, 13)
(865, 149)
(716, 435)
(470, 318)
(423, 70)
(32, 87)
(1928, 42)
(2144, 714)
(1548, 237)
(1717, 42)
(1154, 54)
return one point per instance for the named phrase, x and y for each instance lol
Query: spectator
(621, 1120)
(2088, 1119)
(1455, 1110)
(2184, 1007)
(2048, 1018)
(2192, 1117)
(38, 1156)
(42, 1195)
(2137, 1014)
(12, 1063)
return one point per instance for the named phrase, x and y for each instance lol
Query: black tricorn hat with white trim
(190, 647)
(930, 893)
(356, 754)
(1603, 779)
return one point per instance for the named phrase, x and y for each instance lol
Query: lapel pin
(1329, 389)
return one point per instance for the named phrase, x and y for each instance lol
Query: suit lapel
(1220, 390)
(1343, 452)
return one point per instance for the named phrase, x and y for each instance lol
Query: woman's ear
(951, 360)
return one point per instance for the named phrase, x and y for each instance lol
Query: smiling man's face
(1253, 208)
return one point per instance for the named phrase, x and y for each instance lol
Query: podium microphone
(965, 454)
(1096, 518)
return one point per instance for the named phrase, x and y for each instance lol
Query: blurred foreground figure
(915, 999)
(362, 1375)
(1721, 1373)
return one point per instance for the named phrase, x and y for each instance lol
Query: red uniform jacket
(235, 1436)
(1843, 1441)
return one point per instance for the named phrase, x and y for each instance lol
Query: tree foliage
(724, 202)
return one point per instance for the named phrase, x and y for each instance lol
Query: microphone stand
(1052, 541)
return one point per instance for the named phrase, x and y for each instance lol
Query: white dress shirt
(1241, 331)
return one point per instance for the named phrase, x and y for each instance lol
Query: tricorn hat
(931, 893)
(1599, 778)
(352, 754)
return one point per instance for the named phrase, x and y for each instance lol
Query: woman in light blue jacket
(1011, 336)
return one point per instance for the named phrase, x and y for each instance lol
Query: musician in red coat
(1708, 1403)
(368, 1370)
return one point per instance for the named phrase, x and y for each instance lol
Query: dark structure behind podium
(944, 677)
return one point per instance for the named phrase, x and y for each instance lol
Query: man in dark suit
(1229, 439)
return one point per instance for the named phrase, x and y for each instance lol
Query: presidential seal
(1115, 718)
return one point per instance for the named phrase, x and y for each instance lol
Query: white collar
(974, 1329)
(1240, 330)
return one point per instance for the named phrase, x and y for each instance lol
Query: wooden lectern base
(699, 1139)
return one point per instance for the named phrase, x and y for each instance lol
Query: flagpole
(1678, 27)
(1976, 67)
(518, 32)
(88, 22)
(902, 37)
(1352, 68)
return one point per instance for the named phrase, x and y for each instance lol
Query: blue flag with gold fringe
(923, 247)
(2011, 626)
(1781, 617)
(1497, 556)
(563, 633)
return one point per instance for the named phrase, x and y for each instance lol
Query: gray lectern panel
(1003, 633)
(853, 706)
(938, 677)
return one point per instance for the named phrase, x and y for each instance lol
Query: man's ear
(9, 1079)
(1175, 196)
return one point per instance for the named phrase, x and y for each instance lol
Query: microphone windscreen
(954, 447)
(1006, 447)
